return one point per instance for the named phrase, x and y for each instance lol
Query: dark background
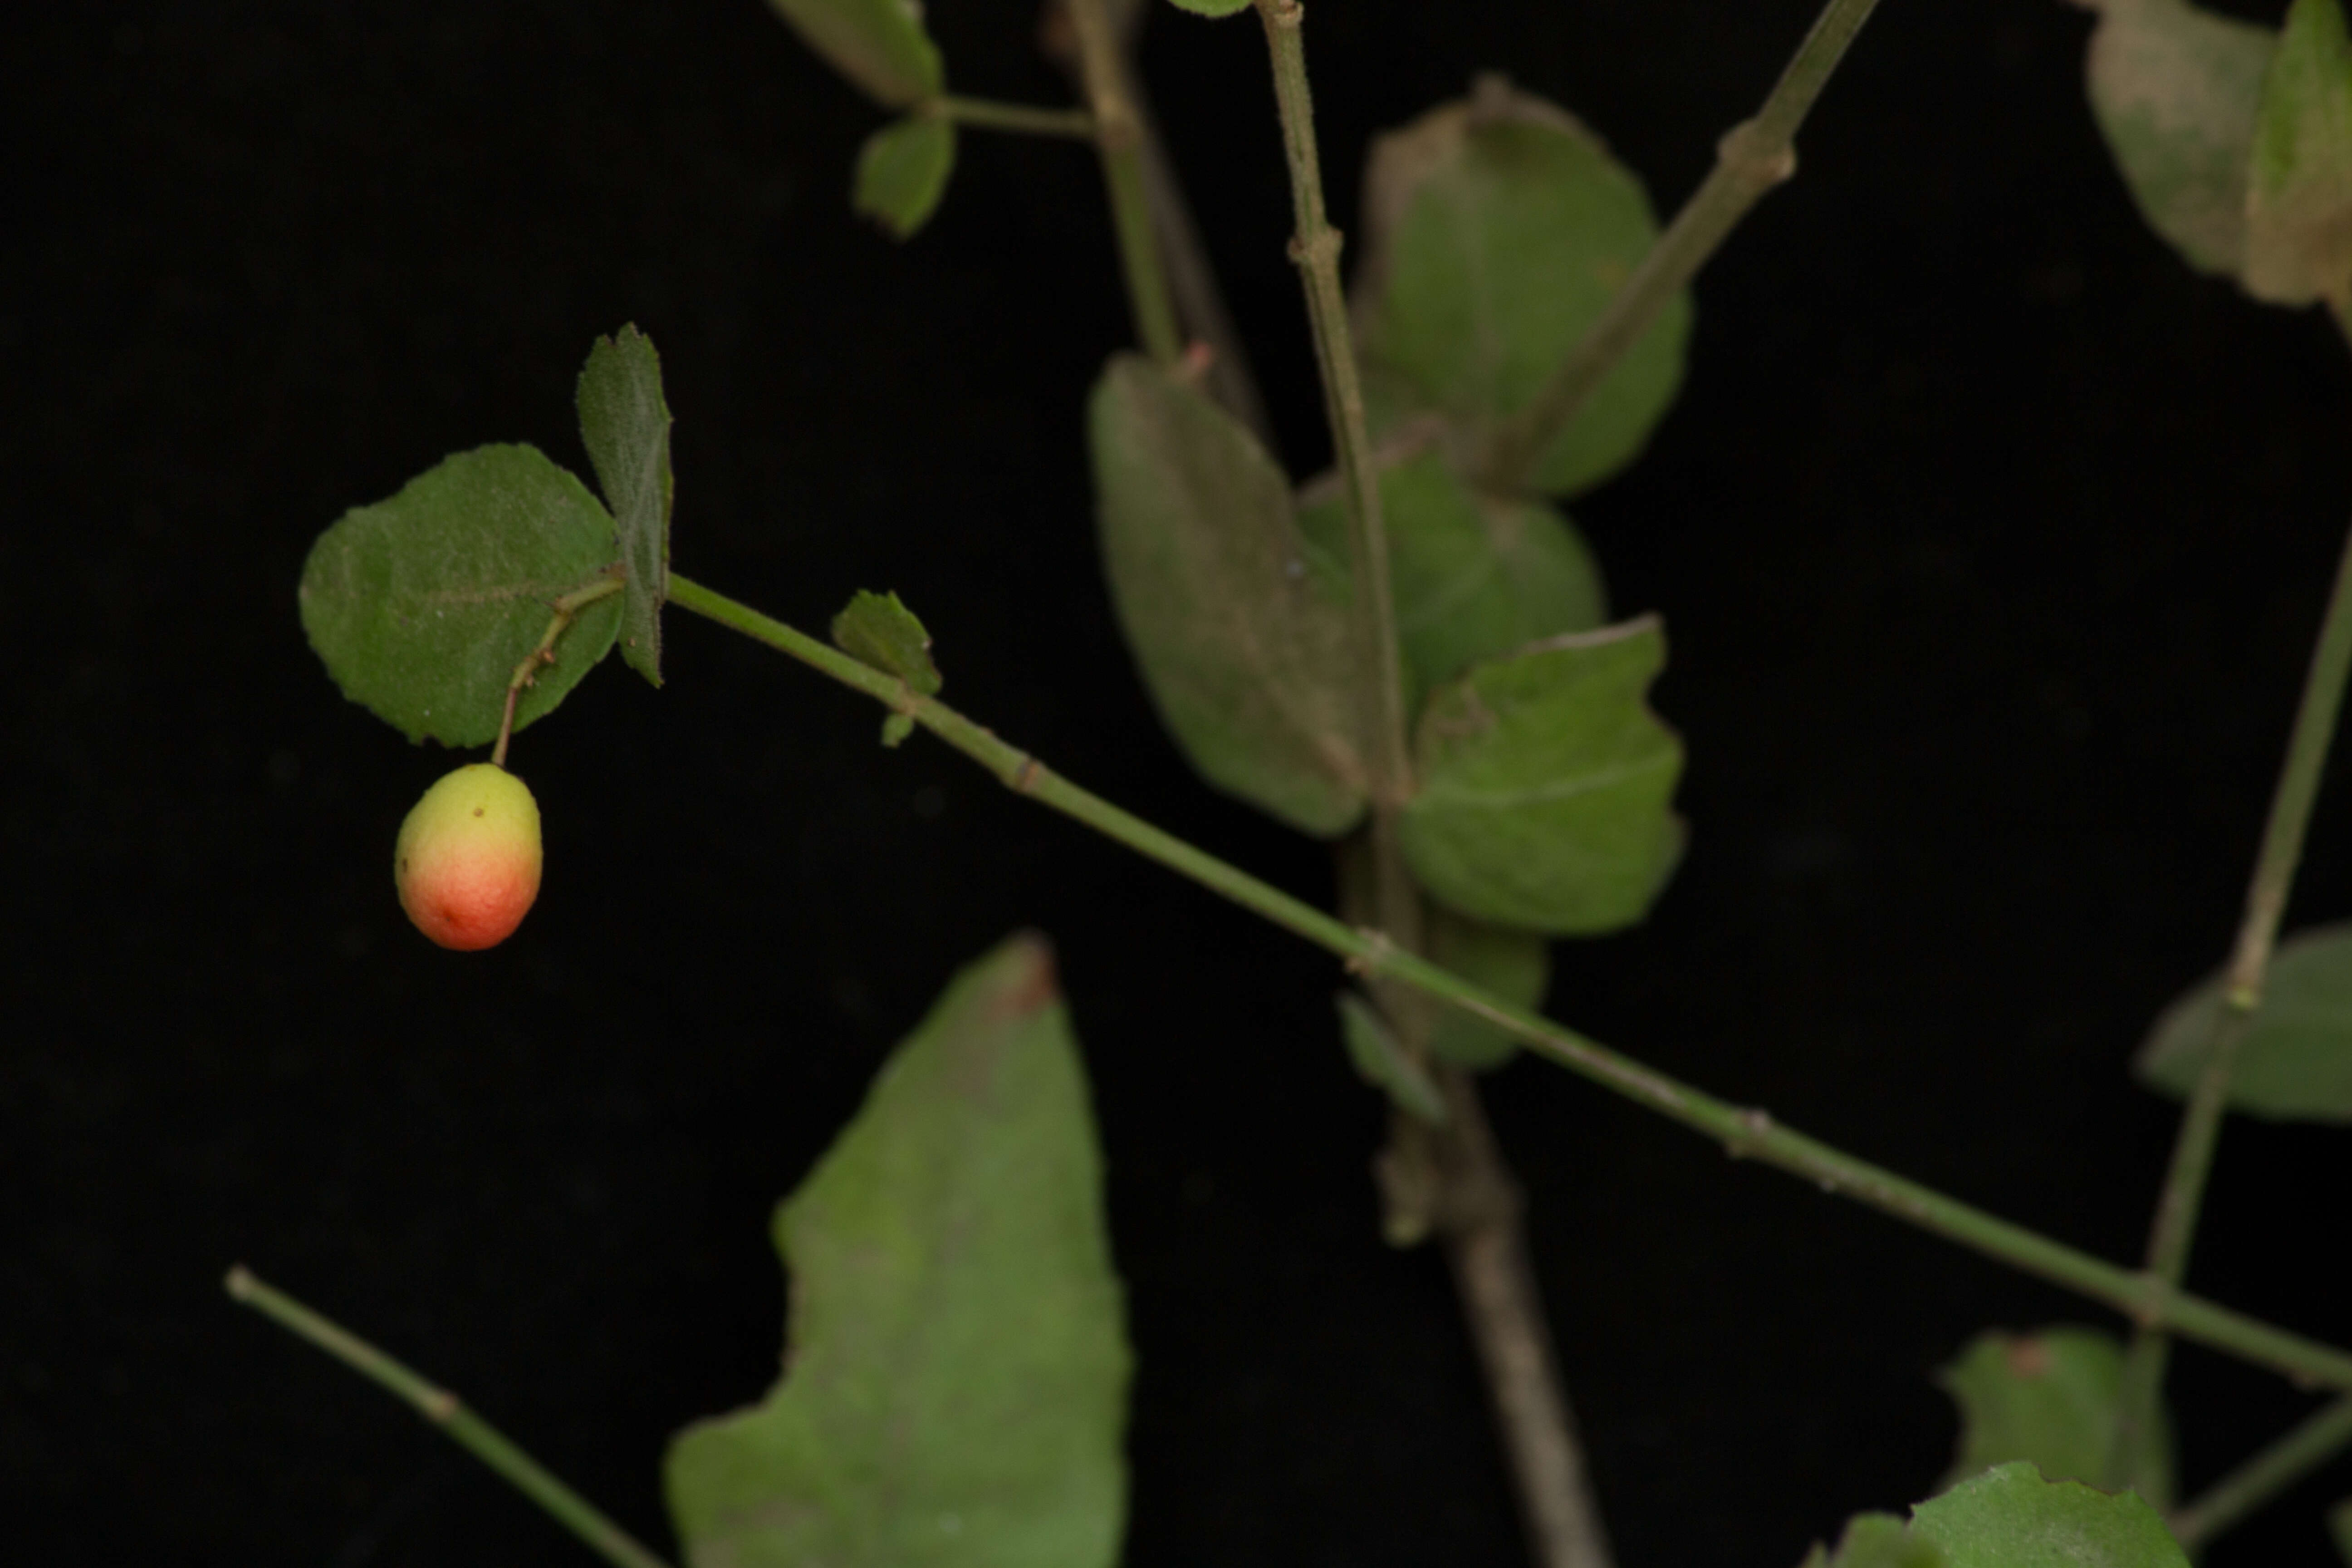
(1989, 541)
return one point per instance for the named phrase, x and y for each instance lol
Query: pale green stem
(1743, 1132)
(987, 114)
(2174, 1229)
(1314, 246)
(2294, 1456)
(1119, 137)
(443, 1409)
(1752, 158)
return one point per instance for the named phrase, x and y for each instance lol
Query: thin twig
(987, 114)
(567, 609)
(1753, 156)
(1119, 137)
(1201, 313)
(1314, 246)
(1744, 1132)
(1485, 1243)
(444, 1410)
(2301, 1450)
(2174, 1230)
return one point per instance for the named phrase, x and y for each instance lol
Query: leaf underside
(2048, 1396)
(2299, 200)
(1235, 623)
(2295, 1062)
(902, 173)
(2175, 90)
(879, 631)
(880, 45)
(1496, 231)
(956, 1371)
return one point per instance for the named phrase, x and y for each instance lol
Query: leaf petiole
(567, 609)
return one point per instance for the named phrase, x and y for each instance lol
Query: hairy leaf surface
(956, 1374)
(423, 605)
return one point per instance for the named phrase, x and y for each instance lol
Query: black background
(1989, 540)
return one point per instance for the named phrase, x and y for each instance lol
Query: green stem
(1743, 1132)
(990, 115)
(1752, 158)
(2276, 1468)
(1477, 1201)
(443, 1409)
(1119, 137)
(2174, 1229)
(1314, 246)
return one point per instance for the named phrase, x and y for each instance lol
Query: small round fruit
(469, 857)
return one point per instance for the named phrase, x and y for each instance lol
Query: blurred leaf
(2047, 1396)
(1213, 8)
(902, 172)
(624, 423)
(1877, 1541)
(1474, 577)
(1514, 965)
(880, 45)
(1544, 786)
(2012, 1517)
(879, 631)
(2339, 1529)
(423, 605)
(1238, 627)
(2296, 1063)
(2175, 91)
(2299, 205)
(956, 1374)
(1381, 1062)
(1496, 231)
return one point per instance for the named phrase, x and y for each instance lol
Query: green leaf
(1211, 8)
(879, 631)
(902, 172)
(957, 1369)
(2295, 1062)
(1239, 628)
(1496, 231)
(624, 423)
(2339, 1529)
(2012, 1517)
(2175, 91)
(2048, 1396)
(2299, 205)
(880, 45)
(1544, 786)
(423, 605)
(1381, 1062)
(1514, 965)
(1474, 576)
(1877, 1541)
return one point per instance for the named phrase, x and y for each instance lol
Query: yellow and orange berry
(468, 861)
